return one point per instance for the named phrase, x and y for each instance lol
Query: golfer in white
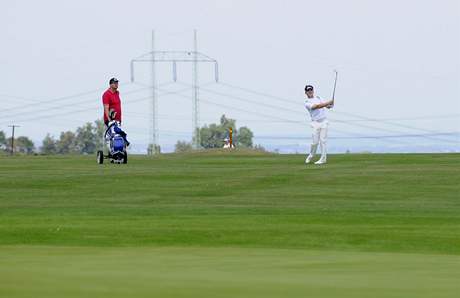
(319, 123)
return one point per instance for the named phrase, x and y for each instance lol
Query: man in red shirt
(111, 101)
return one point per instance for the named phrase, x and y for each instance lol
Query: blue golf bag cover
(118, 144)
(116, 136)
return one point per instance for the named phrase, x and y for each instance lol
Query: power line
(73, 110)
(362, 137)
(284, 100)
(342, 120)
(8, 96)
(431, 135)
(249, 100)
(345, 113)
(60, 107)
(397, 124)
(41, 102)
(298, 112)
(91, 108)
(181, 118)
(261, 114)
(446, 116)
(80, 104)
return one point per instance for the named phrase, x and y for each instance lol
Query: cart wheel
(100, 157)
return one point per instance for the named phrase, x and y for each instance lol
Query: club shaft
(335, 84)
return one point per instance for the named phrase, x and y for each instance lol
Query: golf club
(335, 84)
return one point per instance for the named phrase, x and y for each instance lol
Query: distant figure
(227, 144)
(111, 101)
(319, 123)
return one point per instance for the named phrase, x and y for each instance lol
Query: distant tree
(211, 136)
(99, 130)
(226, 123)
(49, 145)
(24, 145)
(244, 137)
(66, 143)
(2, 140)
(183, 146)
(85, 139)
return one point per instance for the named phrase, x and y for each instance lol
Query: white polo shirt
(317, 114)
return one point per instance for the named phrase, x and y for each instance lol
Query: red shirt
(113, 100)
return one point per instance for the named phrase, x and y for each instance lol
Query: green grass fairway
(230, 224)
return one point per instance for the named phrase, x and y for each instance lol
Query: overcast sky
(396, 60)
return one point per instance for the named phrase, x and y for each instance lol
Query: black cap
(308, 88)
(113, 80)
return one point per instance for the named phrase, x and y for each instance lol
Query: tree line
(88, 138)
(21, 144)
(84, 140)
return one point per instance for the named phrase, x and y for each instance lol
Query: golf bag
(116, 140)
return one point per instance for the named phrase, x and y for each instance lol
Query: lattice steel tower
(175, 57)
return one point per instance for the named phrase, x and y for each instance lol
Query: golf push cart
(115, 138)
